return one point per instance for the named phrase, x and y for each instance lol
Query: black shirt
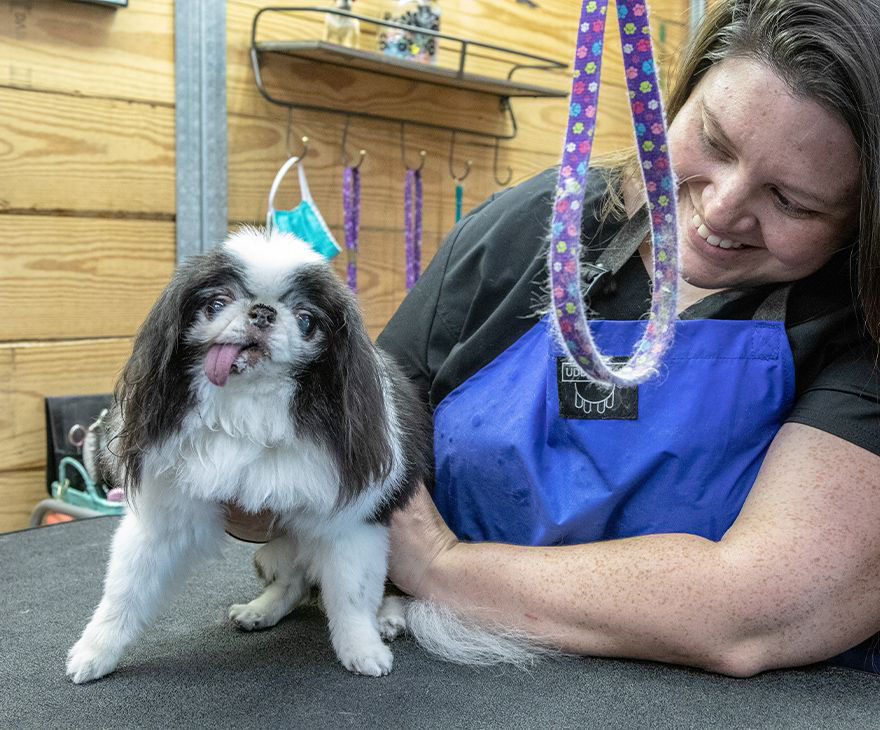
(487, 285)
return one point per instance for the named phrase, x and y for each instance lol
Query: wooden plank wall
(87, 173)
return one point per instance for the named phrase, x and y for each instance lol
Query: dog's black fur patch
(340, 399)
(154, 391)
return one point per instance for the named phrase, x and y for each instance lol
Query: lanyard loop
(351, 215)
(412, 221)
(569, 320)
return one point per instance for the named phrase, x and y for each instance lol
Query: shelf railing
(375, 62)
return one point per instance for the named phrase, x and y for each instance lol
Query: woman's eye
(711, 146)
(306, 323)
(788, 207)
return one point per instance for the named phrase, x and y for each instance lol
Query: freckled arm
(795, 580)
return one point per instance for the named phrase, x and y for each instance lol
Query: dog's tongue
(218, 362)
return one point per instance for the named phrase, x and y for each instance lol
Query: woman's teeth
(710, 237)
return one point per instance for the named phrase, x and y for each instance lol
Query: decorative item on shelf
(342, 30)
(406, 44)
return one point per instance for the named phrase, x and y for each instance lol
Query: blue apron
(677, 454)
(530, 454)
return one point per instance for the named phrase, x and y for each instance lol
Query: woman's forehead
(776, 131)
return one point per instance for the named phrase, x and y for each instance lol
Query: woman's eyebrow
(713, 125)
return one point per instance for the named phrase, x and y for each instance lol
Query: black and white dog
(253, 382)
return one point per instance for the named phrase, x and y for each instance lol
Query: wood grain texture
(73, 278)
(20, 491)
(382, 273)
(31, 371)
(87, 50)
(258, 130)
(73, 154)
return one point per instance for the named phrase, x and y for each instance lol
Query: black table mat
(194, 669)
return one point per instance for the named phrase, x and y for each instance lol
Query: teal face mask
(304, 221)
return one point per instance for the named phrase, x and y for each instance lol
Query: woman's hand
(250, 526)
(419, 539)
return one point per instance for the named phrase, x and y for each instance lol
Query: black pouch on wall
(62, 414)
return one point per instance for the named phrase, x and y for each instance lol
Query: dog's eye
(306, 323)
(215, 306)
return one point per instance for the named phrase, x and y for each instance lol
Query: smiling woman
(726, 515)
(754, 206)
(814, 80)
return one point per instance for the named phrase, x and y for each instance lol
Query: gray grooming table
(194, 670)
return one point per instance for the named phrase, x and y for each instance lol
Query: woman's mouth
(703, 232)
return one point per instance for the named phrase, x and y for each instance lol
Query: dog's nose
(262, 316)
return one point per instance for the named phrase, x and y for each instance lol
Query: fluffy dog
(253, 382)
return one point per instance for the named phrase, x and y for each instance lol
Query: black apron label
(581, 398)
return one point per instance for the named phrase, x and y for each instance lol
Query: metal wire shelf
(374, 62)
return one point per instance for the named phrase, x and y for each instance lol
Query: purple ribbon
(412, 222)
(646, 105)
(351, 219)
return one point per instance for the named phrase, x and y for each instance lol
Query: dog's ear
(153, 392)
(357, 366)
(341, 399)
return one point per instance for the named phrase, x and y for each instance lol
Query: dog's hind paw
(86, 662)
(392, 617)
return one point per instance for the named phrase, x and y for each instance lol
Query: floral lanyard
(570, 323)
(351, 218)
(412, 222)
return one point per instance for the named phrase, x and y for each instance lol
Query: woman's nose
(726, 205)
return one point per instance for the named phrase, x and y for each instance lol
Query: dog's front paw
(372, 659)
(86, 662)
(249, 618)
(392, 617)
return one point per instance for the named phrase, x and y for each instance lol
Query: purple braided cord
(412, 221)
(351, 216)
(570, 324)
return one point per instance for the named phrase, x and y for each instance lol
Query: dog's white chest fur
(239, 444)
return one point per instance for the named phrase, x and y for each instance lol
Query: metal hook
(305, 140)
(495, 166)
(422, 153)
(362, 153)
(468, 163)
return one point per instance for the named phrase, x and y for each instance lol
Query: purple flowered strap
(412, 221)
(351, 217)
(569, 319)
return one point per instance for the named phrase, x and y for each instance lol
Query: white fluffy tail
(439, 631)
